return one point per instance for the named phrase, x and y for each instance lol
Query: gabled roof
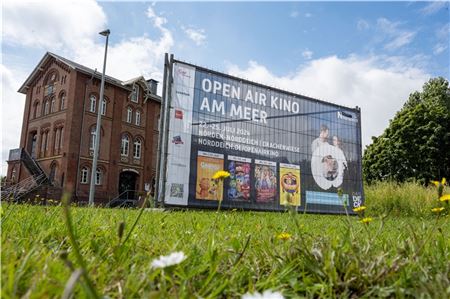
(73, 65)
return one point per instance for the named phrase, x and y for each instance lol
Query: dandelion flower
(437, 210)
(268, 294)
(366, 220)
(284, 236)
(437, 183)
(445, 197)
(220, 175)
(169, 260)
(359, 209)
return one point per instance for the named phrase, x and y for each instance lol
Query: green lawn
(228, 254)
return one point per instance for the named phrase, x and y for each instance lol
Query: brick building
(58, 133)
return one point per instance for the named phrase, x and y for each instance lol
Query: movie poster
(207, 165)
(289, 184)
(265, 181)
(239, 181)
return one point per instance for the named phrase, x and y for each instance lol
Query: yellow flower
(284, 236)
(359, 209)
(220, 175)
(437, 210)
(366, 220)
(442, 182)
(445, 197)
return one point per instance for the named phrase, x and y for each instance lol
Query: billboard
(281, 149)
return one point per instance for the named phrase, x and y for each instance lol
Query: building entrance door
(127, 184)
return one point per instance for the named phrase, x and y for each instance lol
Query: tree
(416, 145)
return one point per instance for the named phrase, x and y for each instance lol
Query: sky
(366, 54)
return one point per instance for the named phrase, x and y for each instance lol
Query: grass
(230, 253)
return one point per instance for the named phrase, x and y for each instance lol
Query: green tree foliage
(416, 145)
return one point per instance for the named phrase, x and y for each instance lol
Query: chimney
(152, 85)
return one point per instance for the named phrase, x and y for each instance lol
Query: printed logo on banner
(357, 201)
(176, 190)
(178, 114)
(183, 72)
(177, 140)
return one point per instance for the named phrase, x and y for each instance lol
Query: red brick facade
(60, 113)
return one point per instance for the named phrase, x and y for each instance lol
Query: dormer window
(135, 94)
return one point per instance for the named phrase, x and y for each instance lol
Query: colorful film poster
(207, 165)
(289, 184)
(265, 181)
(239, 182)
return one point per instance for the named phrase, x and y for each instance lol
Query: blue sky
(370, 54)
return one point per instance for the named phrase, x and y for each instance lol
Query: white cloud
(308, 15)
(397, 37)
(362, 25)
(71, 30)
(294, 14)
(378, 85)
(307, 54)
(52, 24)
(196, 35)
(439, 48)
(433, 7)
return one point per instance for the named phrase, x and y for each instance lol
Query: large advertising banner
(282, 150)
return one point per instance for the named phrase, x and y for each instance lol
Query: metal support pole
(98, 125)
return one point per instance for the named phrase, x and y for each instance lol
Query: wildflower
(284, 236)
(437, 210)
(169, 260)
(442, 182)
(220, 175)
(445, 197)
(359, 209)
(234, 210)
(268, 294)
(366, 220)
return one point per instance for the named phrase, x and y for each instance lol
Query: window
(61, 138)
(129, 115)
(57, 141)
(84, 175)
(49, 89)
(36, 109)
(125, 145)
(52, 105)
(135, 94)
(137, 148)
(93, 101)
(159, 123)
(93, 137)
(63, 102)
(138, 118)
(46, 107)
(98, 176)
(103, 110)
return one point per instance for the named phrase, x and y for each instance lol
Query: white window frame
(125, 145)
(137, 119)
(92, 103)
(98, 177)
(137, 147)
(63, 102)
(129, 115)
(52, 105)
(46, 107)
(93, 137)
(104, 103)
(84, 175)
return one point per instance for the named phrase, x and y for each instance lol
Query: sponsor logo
(178, 165)
(178, 114)
(177, 140)
(347, 116)
(176, 190)
(182, 72)
(357, 200)
(183, 93)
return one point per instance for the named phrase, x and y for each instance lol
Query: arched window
(93, 137)
(46, 107)
(129, 114)
(98, 176)
(92, 103)
(137, 148)
(104, 103)
(53, 105)
(36, 109)
(62, 105)
(138, 118)
(125, 145)
(84, 175)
